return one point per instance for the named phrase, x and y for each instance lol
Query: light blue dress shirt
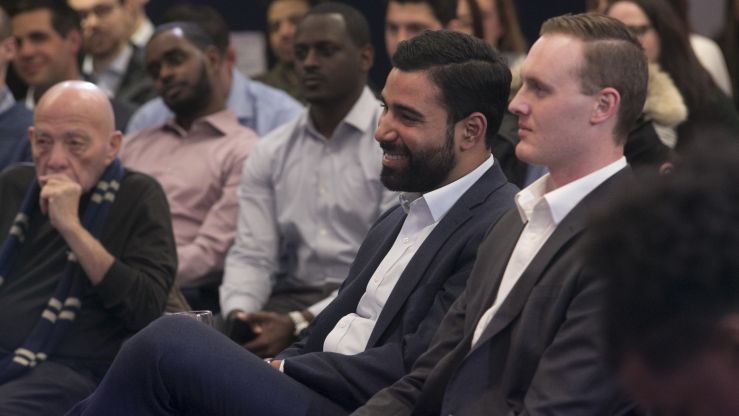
(257, 106)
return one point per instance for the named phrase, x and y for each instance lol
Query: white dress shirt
(351, 333)
(110, 78)
(541, 211)
(305, 204)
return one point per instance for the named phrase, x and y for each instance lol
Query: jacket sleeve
(401, 397)
(135, 287)
(352, 380)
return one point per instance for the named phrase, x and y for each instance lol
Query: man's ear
(607, 103)
(30, 134)
(74, 40)
(214, 57)
(472, 130)
(114, 146)
(8, 49)
(367, 57)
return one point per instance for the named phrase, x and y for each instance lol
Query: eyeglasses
(639, 30)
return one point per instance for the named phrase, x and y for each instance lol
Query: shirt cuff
(319, 306)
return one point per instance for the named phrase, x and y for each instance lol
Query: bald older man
(87, 257)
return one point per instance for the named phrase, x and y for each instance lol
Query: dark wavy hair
(470, 74)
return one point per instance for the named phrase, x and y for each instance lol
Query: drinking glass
(203, 316)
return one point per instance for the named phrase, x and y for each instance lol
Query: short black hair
(356, 24)
(444, 10)
(470, 73)
(669, 251)
(192, 32)
(63, 18)
(206, 17)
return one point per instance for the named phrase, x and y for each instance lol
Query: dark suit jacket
(136, 86)
(541, 352)
(430, 283)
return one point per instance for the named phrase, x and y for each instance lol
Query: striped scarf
(65, 302)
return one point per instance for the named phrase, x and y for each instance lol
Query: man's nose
(385, 131)
(58, 159)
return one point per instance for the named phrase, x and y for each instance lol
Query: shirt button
(406, 240)
(376, 280)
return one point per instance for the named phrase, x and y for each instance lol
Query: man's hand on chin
(60, 200)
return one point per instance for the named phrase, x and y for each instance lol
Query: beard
(426, 169)
(197, 100)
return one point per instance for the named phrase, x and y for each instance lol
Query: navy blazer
(541, 354)
(428, 286)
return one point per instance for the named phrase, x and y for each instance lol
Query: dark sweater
(14, 144)
(138, 233)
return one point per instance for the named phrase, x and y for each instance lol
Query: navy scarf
(65, 302)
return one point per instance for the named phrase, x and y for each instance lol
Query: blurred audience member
(669, 253)
(15, 118)
(310, 190)
(283, 17)
(502, 29)
(111, 61)
(256, 105)
(665, 41)
(48, 41)
(405, 19)
(706, 50)
(140, 27)
(730, 44)
(197, 156)
(87, 256)
(468, 19)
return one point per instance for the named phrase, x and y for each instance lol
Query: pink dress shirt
(199, 171)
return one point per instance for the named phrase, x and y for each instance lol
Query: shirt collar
(223, 122)
(362, 114)
(441, 200)
(118, 66)
(29, 101)
(360, 117)
(6, 99)
(143, 33)
(237, 96)
(563, 199)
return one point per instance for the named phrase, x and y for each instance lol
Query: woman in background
(665, 41)
(498, 25)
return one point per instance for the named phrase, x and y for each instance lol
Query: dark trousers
(178, 366)
(49, 389)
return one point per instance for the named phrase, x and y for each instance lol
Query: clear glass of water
(203, 316)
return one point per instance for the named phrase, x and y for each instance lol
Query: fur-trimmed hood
(664, 104)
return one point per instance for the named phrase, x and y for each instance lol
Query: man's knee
(165, 335)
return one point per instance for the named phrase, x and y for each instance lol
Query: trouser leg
(49, 389)
(178, 366)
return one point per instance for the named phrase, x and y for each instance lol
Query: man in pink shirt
(197, 156)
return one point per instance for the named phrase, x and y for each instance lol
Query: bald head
(78, 98)
(73, 133)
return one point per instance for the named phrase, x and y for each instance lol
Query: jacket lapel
(417, 268)
(572, 225)
(353, 289)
